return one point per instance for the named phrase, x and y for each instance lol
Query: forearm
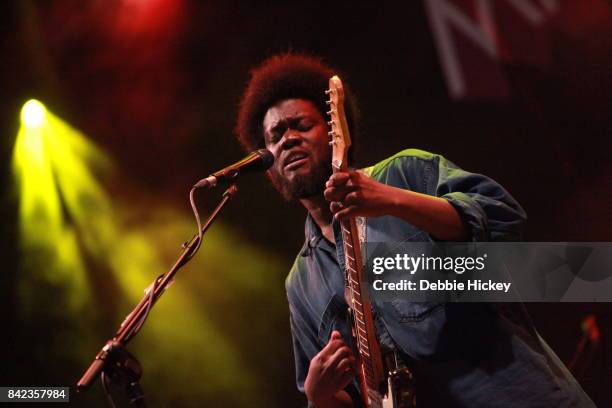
(434, 215)
(355, 194)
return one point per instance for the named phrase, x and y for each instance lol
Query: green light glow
(83, 254)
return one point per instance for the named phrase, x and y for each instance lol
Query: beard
(302, 185)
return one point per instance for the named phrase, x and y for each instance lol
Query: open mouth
(295, 161)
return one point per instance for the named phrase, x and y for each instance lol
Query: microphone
(258, 160)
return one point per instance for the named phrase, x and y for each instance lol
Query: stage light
(83, 256)
(58, 193)
(33, 113)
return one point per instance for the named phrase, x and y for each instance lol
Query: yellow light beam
(33, 114)
(69, 226)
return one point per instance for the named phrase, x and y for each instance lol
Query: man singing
(463, 355)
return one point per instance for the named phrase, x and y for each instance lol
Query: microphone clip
(212, 181)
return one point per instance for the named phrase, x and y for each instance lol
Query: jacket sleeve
(302, 362)
(489, 211)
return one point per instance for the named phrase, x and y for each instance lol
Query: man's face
(296, 134)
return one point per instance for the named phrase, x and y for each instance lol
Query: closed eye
(302, 124)
(276, 133)
(304, 127)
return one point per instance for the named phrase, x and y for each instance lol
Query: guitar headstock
(340, 137)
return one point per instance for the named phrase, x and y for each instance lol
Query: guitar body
(383, 383)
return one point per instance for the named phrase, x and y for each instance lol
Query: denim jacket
(464, 355)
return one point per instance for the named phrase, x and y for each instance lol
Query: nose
(291, 138)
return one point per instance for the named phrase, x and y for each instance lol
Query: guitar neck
(363, 322)
(372, 375)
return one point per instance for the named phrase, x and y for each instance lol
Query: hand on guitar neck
(330, 371)
(353, 194)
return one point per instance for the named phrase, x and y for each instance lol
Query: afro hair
(280, 77)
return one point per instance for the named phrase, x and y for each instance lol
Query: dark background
(156, 85)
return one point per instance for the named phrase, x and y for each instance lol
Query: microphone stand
(113, 361)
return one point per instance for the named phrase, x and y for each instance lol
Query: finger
(337, 179)
(346, 364)
(353, 179)
(331, 348)
(353, 198)
(338, 193)
(335, 335)
(340, 354)
(346, 378)
(334, 194)
(346, 212)
(335, 206)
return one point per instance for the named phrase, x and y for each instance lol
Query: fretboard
(363, 324)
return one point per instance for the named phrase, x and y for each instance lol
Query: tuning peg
(329, 112)
(332, 142)
(328, 91)
(328, 102)
(332, 133)
(330, 123)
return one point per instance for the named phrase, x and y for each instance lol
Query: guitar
(383, 382)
